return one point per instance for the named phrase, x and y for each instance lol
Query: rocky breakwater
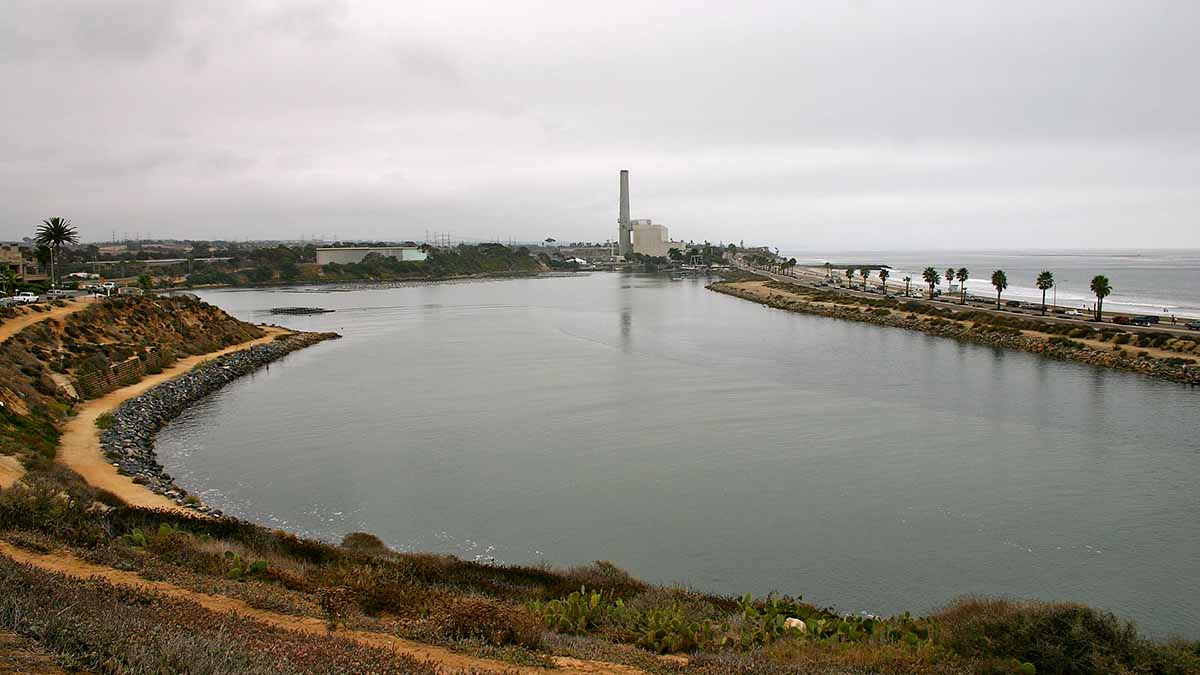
(1127, 358)
(129, 443)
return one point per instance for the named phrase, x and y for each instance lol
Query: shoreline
(140, 481)
(1057, 347)
(382, 283)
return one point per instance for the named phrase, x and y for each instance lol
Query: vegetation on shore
(525, 615)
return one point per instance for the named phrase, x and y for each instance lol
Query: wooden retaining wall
(94, 384)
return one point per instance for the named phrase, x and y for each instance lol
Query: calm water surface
(693, 437)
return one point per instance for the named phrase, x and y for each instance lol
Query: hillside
(101, 344)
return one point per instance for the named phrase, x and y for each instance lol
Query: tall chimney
(623, 226)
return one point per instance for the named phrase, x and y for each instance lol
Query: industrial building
(643, 235)
(355, 254)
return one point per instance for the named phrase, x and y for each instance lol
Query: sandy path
(449, 662)
(13, 326)
(79, 445)
(10, 471)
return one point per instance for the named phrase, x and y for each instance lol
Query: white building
(355, 254)
(651, 239)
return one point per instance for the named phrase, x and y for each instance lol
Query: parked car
(1122, 320)
(1143, 320)
(28, 298)
(1073, 312)
(1193, 325)
(7, 301)
(55, 293)
(1013, 303)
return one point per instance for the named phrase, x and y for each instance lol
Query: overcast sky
(854, 124)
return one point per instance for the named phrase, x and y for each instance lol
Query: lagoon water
(693, 437)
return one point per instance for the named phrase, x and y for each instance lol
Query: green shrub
(578, 613)
(104, 421)
(479, 618)
(1055, 638)
(1066, 342)
(363, 542)
(1121, 339)
(669, 630)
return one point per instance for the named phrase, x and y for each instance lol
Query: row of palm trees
(1100, 285)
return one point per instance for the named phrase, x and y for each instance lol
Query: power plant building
(641, 236)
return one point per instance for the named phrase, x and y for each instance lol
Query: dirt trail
(79, 445)
(13, 326)
(448, 661)
(10, 471)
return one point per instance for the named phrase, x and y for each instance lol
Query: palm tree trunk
(1043, 302)
(997, 299)
(1099, 307)
(51, 267)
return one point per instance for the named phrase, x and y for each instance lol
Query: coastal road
(811, 281)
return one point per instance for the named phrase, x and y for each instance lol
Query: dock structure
(300, 310)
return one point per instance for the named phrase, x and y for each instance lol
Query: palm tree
(883, 276)
(1045, 282)
(864, 273)
(1102, 289)
(10, 281)
(962, 275)
(907, 286)
(55, 233)
(949, 276)
(829, 270)
(850, 275)
(932, 278)
(1000, 281)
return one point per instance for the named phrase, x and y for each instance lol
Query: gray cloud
(865, 124)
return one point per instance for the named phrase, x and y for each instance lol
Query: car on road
(1192, 325)
(1143, 320)
(28, 298)
(1121, 320)
(1073, 312)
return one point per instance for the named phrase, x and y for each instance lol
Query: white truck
(28, 298)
